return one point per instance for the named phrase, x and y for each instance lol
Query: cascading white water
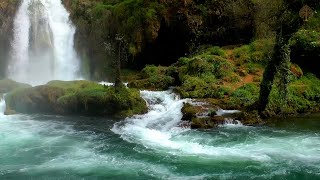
(2, 105)
(42, 48)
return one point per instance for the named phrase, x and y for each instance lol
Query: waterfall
(42, 47)
(2, 105)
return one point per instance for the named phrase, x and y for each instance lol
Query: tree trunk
(280, 55)
(117, 82)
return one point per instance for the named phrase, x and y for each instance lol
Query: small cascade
(229, 122)
(159, 124)
(42, 48)
(2, 105)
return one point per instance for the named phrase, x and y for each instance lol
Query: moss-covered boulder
(40, 99)
(189, 111)
(7, 85)
(207, 122)
(76, 97)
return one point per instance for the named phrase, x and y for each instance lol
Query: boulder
(76, 97)
(40, 99)
(7, 85)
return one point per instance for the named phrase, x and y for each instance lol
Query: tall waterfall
(42, 48)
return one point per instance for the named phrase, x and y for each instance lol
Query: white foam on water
(222, 112)
(158, 130)
(232, 123)
(105, 83)
(32, 146)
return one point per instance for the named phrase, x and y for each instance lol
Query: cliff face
(155, 32)
(8, 9)
(88, 39)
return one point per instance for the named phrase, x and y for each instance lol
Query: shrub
(245, 95)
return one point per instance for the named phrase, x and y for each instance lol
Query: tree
(288, 23)
(117, 49)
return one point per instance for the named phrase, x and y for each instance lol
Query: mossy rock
(249, 118)
(189, 111)
(207, 123)
(7, 85)
(120, 102)
(40, 99)
(77, 97)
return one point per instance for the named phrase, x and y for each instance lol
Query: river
(152, 146)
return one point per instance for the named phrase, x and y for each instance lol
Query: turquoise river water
(152, 146)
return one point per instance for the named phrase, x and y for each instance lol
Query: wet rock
(189, 111)
(76, 97)
(7, 85)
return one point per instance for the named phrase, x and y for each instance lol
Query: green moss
(259, 51)
(245, 95)
(77, 97)
(154, 78)
(195, 87)
(72, 86)
(189, 111)
(205, 65)
(303, 96)
(39, 99)
(7, 85)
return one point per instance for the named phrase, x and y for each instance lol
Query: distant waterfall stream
(42, 47)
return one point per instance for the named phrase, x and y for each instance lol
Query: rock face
(76, 97)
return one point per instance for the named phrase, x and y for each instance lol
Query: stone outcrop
(76, 97)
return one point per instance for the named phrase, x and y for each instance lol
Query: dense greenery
(256, 54)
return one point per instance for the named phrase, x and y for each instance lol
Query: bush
(259, 51)
(245, 95)
(195, 87)
(306, 41)
(303, 96)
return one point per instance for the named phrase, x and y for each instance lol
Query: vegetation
(77, 97)
(256, 55)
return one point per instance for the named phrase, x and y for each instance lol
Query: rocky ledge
(75, 97)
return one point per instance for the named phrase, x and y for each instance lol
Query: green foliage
(307, 41)
(303, 96)
(209, 50)
(154, 77)
(259, 51)
(121, 102)
(313, 23)
(206, 64)
(245, 95)
(195, 87)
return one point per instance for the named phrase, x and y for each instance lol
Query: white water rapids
(42, 48)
